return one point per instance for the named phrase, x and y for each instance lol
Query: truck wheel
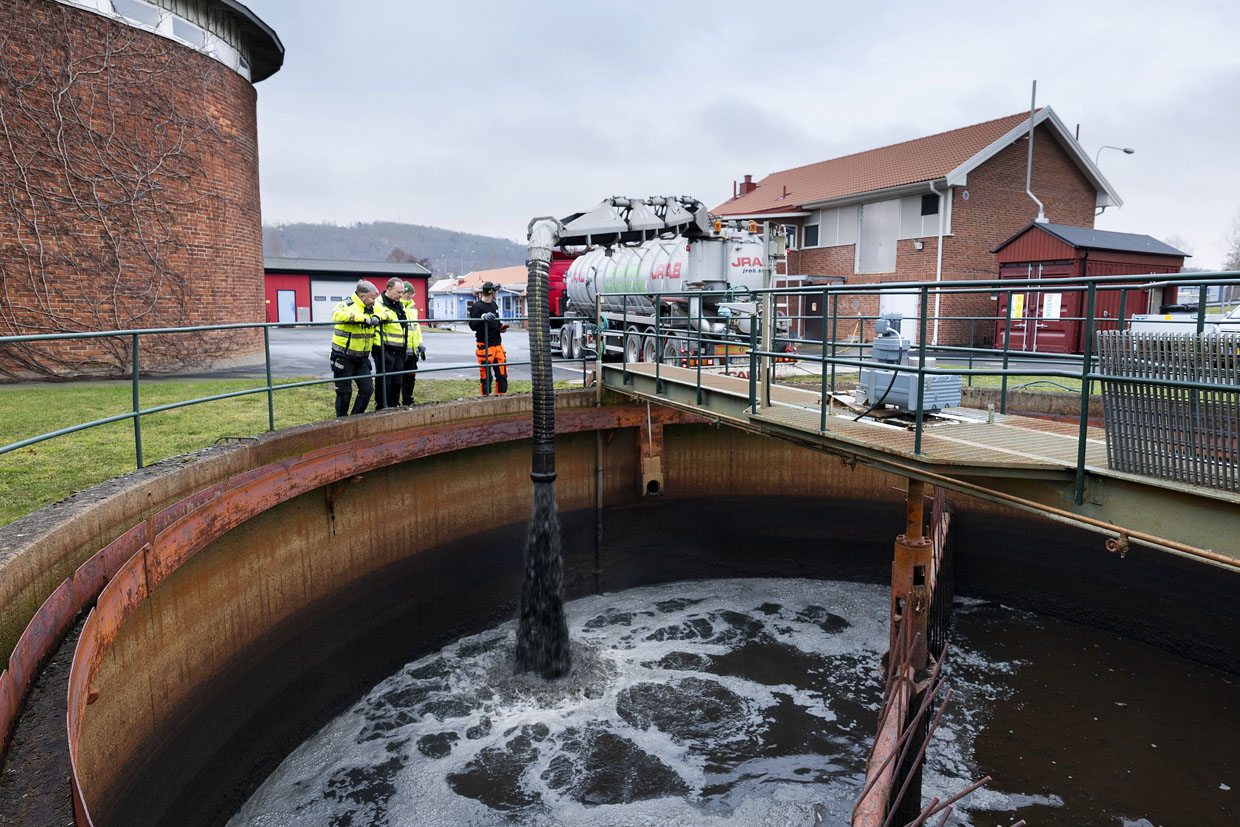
(671, 353)
(575, 346)
(633, 347)
(649, 348)
(565, 335)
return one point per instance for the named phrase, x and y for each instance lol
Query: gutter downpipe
(938, 265)
(1041, 219)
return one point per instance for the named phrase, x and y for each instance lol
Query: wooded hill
(443, 251)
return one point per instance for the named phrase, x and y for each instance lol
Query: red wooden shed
(1051, 322)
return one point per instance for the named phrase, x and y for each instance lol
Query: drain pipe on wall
(938, 265)
(1041, 219)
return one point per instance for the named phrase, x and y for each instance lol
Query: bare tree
(399, 255)
(1231, 255)
(102, 138)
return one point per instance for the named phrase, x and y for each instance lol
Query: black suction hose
(542, 629)
(542, 239)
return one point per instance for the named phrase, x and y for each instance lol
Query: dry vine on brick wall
(101, 144)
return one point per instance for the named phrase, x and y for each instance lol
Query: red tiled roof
(503, 275)
(923, 159)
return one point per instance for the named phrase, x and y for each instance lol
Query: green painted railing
(1046, 367)
(134, 374)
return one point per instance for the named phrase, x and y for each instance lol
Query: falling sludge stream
(753, 702)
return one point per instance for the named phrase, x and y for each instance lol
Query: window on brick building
(811, 235)
(138, 12)
(191, 34)
(929, 205)
(791, 231)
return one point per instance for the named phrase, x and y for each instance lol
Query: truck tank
(662, 266)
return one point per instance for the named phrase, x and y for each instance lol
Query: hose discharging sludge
(542, 629)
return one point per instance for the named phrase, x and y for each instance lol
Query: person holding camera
(488, 329)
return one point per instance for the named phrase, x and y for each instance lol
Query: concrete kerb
(1057, 403)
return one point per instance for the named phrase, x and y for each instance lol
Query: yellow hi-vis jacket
(391, 332)
(352, 337)
(413, 330)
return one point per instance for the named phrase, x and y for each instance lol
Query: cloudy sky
(477, 116)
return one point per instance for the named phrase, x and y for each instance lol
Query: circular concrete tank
(290, 589)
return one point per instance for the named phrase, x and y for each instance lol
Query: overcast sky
(478, 116)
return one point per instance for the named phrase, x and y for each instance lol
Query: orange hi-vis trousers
(492, 360)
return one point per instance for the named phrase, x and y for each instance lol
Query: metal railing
(686, 339)
(134, 372)
(834, 354)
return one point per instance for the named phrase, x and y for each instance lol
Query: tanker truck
(687, 295)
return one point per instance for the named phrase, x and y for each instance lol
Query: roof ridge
(901, 143)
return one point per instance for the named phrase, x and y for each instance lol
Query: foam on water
(727, 702)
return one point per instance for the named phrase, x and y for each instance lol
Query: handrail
(269, 388)
(1081, 367)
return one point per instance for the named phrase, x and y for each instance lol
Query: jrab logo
(671, 271)
(745, 261)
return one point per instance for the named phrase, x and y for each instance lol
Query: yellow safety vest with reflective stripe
(391, 331)
(413, 330)
(352, 336)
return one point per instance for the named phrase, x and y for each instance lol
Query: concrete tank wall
(233, 652)
(251, 643)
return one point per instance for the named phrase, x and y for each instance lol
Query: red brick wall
(997, 209)
(157, 221)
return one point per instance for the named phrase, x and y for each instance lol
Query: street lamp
(1127, 150)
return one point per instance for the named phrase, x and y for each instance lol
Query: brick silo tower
(129, 190)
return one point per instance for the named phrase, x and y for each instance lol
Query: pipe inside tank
(542, 629)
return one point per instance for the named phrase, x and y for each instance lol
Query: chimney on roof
(748, 186)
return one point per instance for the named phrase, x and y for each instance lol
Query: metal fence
(1002, 362)
(837, 352)
(1159, 427)
(133, 371)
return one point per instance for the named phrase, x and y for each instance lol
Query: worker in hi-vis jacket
(414, 349)
(352, 339)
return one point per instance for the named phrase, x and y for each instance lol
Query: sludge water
(753, 702)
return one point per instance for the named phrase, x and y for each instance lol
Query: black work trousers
(348, 370)
(393, 360)
(409, 379)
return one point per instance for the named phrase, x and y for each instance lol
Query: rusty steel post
(910, 574)
(910, 608)
(914, 509)
(909, 597)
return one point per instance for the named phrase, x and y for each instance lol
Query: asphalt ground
(303, 351)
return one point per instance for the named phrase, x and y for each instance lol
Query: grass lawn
(48, 471)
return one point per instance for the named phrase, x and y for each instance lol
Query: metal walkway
(1023, 461)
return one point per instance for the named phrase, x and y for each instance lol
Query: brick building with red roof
(879, 215)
